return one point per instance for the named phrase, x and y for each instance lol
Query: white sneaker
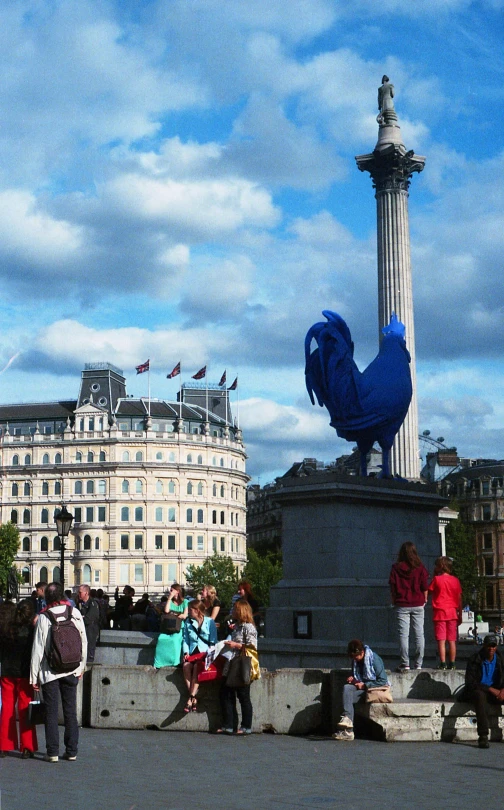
(346, 734)
(345, 722)
(51, 759)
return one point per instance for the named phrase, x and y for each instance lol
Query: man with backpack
(58, 660)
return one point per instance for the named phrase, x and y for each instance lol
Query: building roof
(37, 410)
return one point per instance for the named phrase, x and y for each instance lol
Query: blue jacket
(207, 635)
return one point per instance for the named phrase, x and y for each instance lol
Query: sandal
(194, 706)
(188, 706)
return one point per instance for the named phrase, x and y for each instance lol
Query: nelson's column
(391, 168)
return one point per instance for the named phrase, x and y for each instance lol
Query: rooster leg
(385, 473)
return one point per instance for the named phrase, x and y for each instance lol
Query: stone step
(413, 720)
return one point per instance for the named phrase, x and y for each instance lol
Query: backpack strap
(66, 615)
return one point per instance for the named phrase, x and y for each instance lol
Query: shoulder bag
(378, 694)
(240, 669)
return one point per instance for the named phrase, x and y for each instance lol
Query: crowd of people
(47, 640)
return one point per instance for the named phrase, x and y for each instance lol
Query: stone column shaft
(395, 294)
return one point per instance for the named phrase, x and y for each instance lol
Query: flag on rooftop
(200, 374)
(222, 380)
(175, 371)
(233, 385)
(142, 367)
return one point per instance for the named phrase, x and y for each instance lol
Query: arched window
(57, 458)
(15, 490)
(200, 515)
(45, 488)
(57, 487)
(78, 457)
(171, 487)
(44, 516)
(57, 544)
(90, 457)
(44, 546)
(189, 487)
(87, 542)
(78, 487)
(139, 513)
(126, 455)
(125, 486)
(26, 516)
(139, 456)
(102, 487)
(214, 461)
(56, 575)
(26, 488)
(159, 487)
(214, 516)
(102, 455)
(90, 487)
(172, 456)
(15, 461)
(86, 574)
(26, 543)
(189, 458)
(222, 462)
(97, 543)
(200, 488)
(43, 573)
(214, 490)
(222, 491)
(200, 459)
(139, 487)
(159, 513)
(222, 518)
(159, 456)
(25, 573)
(189, 515)
(14, 516)
(27, 459)
(125, 513)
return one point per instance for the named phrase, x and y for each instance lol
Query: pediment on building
(90, 409)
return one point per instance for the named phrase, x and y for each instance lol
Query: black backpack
(65, 651)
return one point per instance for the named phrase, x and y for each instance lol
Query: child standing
(447, 610)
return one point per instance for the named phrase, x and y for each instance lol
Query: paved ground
(155, 770)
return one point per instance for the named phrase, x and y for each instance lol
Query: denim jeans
(414, 616)
(351, 695)
(67, 687)
(228, 706)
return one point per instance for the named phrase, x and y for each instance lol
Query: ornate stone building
(479, 490)
(154, 485)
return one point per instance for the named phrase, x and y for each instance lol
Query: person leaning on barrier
(368, 672)
(90, 610)
(484, 684)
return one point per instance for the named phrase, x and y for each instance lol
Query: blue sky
(177, 182)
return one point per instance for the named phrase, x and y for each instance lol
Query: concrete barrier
(289, 701)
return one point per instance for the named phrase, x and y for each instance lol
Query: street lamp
(475, 607)
(63, 524)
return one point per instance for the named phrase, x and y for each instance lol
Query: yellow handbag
(255, 669)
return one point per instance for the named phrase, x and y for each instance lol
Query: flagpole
(238, 406)
(180, 395)
(206, 398)
(148, 387)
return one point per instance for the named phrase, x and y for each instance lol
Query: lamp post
(475, 607)
(64, 522)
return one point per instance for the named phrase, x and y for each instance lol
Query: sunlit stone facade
(151, 492)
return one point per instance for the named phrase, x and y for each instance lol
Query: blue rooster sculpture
(365, 407)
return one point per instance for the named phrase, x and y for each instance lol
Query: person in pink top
(446, 609)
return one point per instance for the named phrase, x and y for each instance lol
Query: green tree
(461, 546)
(217, 570)
(262, 571)
(9, 546)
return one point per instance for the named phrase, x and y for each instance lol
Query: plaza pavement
(156, 770)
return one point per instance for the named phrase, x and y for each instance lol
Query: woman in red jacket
(408, 582)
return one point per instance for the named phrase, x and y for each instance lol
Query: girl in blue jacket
(200, 633)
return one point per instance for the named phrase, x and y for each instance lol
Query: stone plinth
(341, 535)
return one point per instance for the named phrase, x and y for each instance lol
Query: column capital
(391, 168)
